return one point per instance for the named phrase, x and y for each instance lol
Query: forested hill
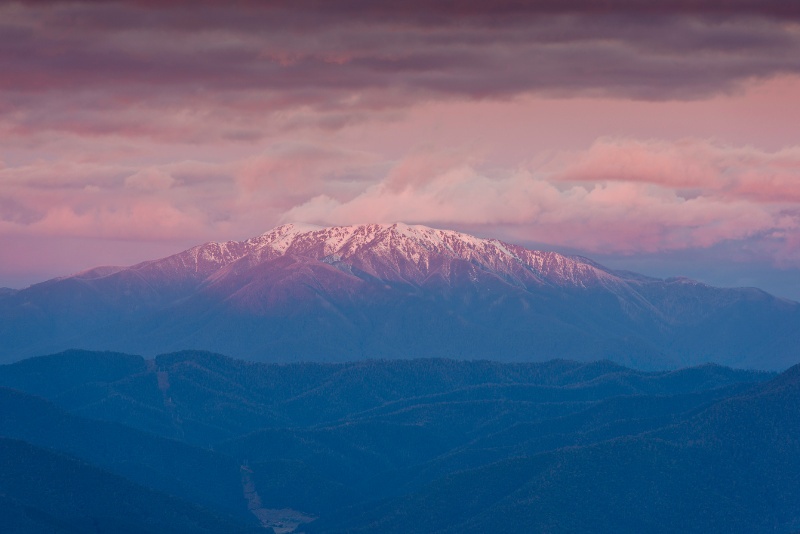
(429, 446)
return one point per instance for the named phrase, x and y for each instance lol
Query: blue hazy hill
(411, 445)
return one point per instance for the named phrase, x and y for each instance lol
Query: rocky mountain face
(396, 291)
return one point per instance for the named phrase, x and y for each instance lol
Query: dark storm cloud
(437, 11)
(238, 58)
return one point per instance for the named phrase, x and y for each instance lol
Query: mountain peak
(413, 253)
(291, 229)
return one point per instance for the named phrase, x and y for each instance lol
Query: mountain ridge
(396, 291)
(422, 445)
(393, 241)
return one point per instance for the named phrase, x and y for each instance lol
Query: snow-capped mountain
(394, 252)
(396, 290)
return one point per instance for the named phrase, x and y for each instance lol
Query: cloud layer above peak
(620, 195)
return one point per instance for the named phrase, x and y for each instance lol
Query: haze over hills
(198, 442)
(397, 291)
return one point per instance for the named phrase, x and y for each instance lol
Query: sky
(660, 137)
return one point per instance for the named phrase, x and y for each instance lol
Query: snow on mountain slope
(415, 252)
(393, 252)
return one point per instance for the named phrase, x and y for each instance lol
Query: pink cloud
(682, 164)
(143, 219)
(179, 200)
(299, 169)
(618, 196)
(150, 179)
(725, 171)
(62, 198)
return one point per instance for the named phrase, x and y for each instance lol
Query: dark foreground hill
(42, 491)
(428, 446)
(397, 291)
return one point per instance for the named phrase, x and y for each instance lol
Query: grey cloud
(13, 211)
(167, 56)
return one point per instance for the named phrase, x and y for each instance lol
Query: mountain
(396, 291)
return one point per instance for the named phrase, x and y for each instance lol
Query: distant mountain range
(301, 293)
(196, 442)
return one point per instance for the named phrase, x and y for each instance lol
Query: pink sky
(131, 130)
